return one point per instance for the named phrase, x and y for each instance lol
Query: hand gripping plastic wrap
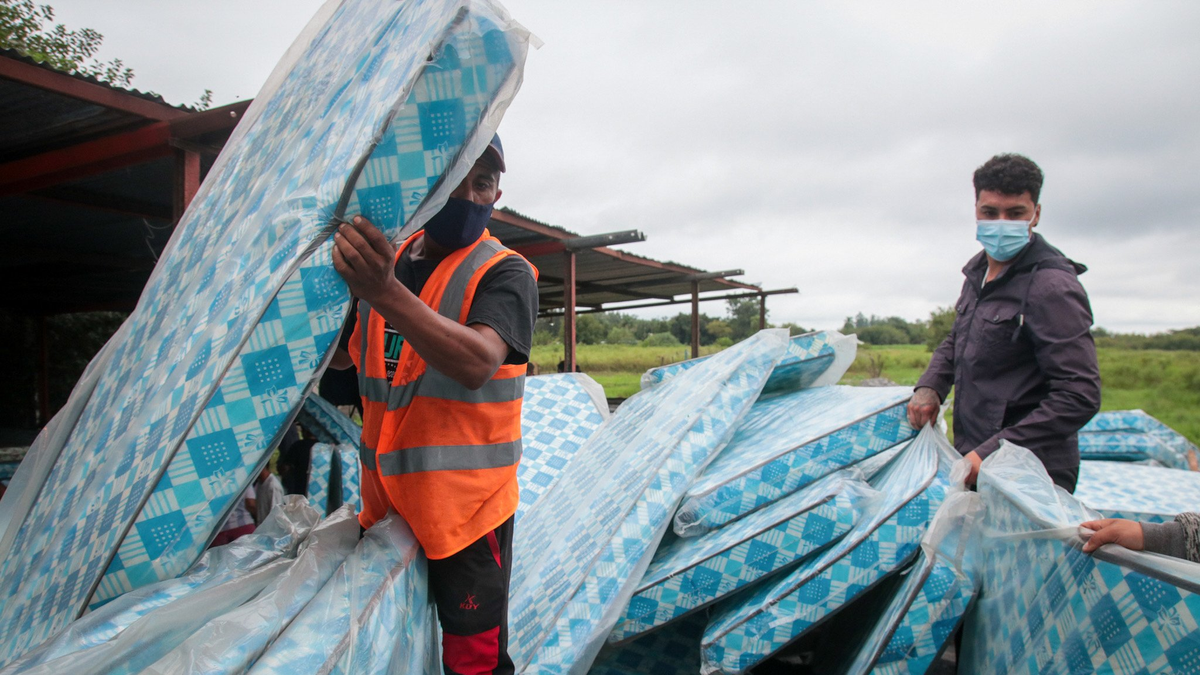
(322, 475)
(887, 537)
(1132, 435)
(789, 441)
(231, 642)
(131, 631)
(1145, 493)
(559, 413)
(934, 597)
(585, 548)
(327, 423)
(813, 360)
(374, 616)
(379, 108)
(1048, 607)
(689, 573)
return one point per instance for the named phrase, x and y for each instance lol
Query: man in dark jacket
(1020, 355)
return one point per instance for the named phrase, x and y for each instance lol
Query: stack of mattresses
(1145, 493)
(379, 109)
(1048, 607)
(1134, 436)
(588, 539)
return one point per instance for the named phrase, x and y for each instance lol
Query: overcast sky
(827, 146)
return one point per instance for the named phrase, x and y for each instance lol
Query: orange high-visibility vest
(444, 456)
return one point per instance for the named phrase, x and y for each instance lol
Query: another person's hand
(923, 407)
(1127, 533)
(365, 259)
(976, 461)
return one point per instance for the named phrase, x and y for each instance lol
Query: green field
(1165, 384)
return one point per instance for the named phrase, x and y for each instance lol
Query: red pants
(227, 536)
(471, 592)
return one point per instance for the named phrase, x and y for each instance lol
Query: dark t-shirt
(505, 300)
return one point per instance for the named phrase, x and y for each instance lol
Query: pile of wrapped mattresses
(333, 461)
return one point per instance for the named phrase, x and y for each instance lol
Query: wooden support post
(187, 181)
(569, 314)
(762, 312)
(695, 319)
(43, 373)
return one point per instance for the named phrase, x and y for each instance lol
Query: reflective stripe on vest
(449, 458)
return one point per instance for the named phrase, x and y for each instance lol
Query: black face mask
(459, 223)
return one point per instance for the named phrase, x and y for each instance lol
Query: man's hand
(1127, 533)
(976, 462)
(365, 259)
(923, 407)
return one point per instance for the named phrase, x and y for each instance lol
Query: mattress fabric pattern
(327, 423)
(320, 468)
(1048, 607)
(1136, 492)
(584, 549)
(790, 441)
(688, 573)
(886, 538)
(1133, 435)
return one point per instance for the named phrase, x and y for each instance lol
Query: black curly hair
(1009, 174)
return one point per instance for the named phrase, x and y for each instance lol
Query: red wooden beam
(569, 314)
(540, 248)
(76, 88)
(85, 159)
(187, 181)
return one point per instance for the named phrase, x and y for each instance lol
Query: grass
(1165, 384)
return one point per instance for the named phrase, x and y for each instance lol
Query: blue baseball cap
(496, 150)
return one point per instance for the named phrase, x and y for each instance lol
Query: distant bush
(724, 342)
(660, 340)
(1184, 339)
(883, 334)
(621, 335)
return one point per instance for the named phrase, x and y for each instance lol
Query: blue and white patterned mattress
(813, 359)
(789, 441)
(673, 649)
(239, 316)
(689, 573)
(1047, 607)
(374, 616)
(886, 538)
(1145, 493)
(122, 631)
(935, 596)
(1132, 435)
(320, 467)
(585, 548)
(559, 413)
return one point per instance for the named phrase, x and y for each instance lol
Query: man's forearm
(460, 352)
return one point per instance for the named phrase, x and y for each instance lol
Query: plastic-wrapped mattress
(131, 631)
(1048, 607)
(327, 423)
(888, 534)
(1145, 493)
(374, 616)
(813, 360)
(689, 573)
(789, 441)
(1132, 435)
(235, 324)
(585, 548)
(933, 599)
(559, 413)
(671, 650)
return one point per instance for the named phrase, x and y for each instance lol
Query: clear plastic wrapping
(127, 634)
(584, 548)
(887, 536)
(789, 441)
(1048, 607)
(373, 616)
(243, 308)
(813, 360)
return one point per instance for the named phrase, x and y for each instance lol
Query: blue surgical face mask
(1002, 239)
(459, 223)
